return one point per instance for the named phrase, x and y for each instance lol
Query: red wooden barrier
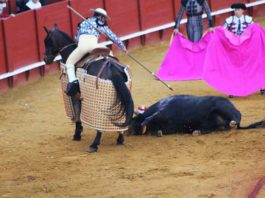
(47, 16)
(53, 1)
(154, 13)
(258, 10)
(176, 5)
(21, 43)
(12, 5)
(124, 20)
(221, 4)
(3, 69)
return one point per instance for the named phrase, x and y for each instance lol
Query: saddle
(96, 54)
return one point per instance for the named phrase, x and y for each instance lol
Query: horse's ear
(56, 26)
(46, 29)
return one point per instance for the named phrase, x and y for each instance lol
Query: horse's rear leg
(77, 110)
(120, 139)
(94, 146)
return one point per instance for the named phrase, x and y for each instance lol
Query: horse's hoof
(92, 149)
(77, 138)
(120, 143)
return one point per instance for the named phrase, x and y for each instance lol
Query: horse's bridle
(65, 47)
(60, 50)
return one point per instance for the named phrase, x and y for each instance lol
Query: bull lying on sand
(189, 114)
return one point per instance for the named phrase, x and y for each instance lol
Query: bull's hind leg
(77, 110)
(120, 139)
(94, 146)
(233, 124)
(229, 113)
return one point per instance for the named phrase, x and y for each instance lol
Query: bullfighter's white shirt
(238, 25)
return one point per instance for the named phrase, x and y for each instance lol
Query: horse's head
(55, 41)
(51, 47)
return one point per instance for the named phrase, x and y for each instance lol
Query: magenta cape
(234, 65)
(184, 59)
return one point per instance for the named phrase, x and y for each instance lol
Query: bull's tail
(125, 101)
(259, 124)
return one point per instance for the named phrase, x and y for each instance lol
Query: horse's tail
(125, 101)
(259, 124)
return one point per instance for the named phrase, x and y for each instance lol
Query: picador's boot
(73, 84)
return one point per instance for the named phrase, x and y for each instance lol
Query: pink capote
(238, 65)
(234, 65)
(184, 59)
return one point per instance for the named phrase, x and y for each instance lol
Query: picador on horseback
(87, 37)
(99, 80)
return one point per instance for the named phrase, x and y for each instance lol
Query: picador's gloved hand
(72, 88)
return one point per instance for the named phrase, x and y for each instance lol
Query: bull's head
(136, 127)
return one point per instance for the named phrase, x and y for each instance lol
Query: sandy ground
(39, 159)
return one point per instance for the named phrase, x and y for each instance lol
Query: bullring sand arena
(39, 159)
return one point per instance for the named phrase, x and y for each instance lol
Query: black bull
(189, 114)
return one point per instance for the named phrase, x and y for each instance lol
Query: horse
(58, 42)
(189, 114)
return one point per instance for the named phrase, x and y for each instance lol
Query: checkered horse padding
(68, 105)
(97, 104)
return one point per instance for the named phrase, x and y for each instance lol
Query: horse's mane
(62, 34)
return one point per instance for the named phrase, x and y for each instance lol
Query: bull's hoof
(92, 149)
(77, 138)
(233, 124)
(159, 133)
(196, 133)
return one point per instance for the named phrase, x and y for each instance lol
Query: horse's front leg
(94, 146)
(120, 139)
(76, 101)
(78, 131)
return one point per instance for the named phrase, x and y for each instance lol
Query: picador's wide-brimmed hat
(100, 11)
(238, 6)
